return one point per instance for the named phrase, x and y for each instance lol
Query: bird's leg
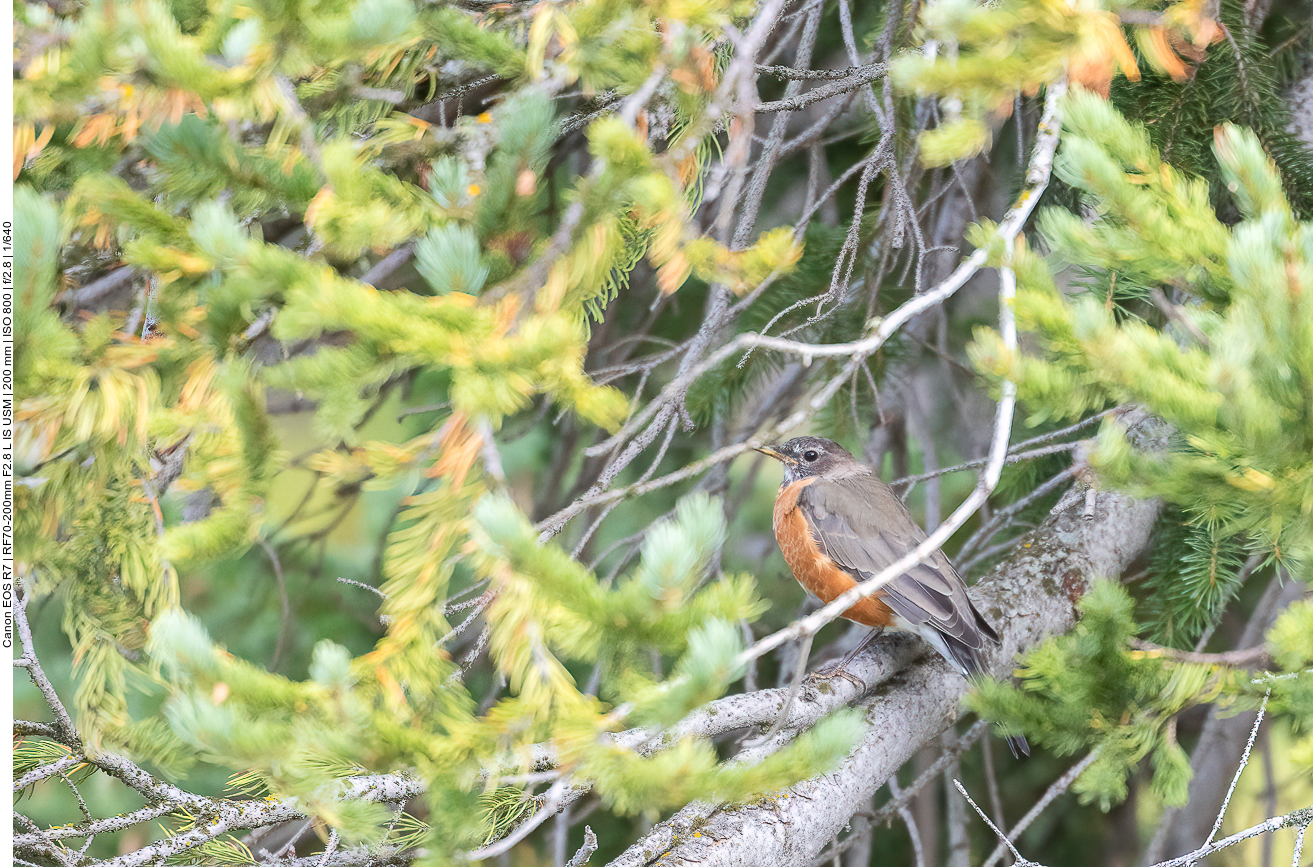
(840, 669)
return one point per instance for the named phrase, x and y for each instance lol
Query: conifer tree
(389, 371)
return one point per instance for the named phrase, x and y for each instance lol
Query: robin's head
(812, 456)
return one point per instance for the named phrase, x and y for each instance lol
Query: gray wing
(864, 528)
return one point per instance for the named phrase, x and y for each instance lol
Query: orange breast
(814, 570)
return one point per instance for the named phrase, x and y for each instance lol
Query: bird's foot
(837, 670)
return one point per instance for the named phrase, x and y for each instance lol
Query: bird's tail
(967, 660)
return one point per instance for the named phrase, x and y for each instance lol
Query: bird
(838, 524)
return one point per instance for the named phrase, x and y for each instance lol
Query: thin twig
(795, 686)
(44, 772)
(1244, 761)
(825, 91)
(871, 71)
(1021, 862)
(586, 850)
(550, 802)
(1297, 859)
(1298, 818)
(973, 734)
(1174, 313)
(1019, 452)
(285, 628)
(1050, 795)
(96, 288)
(68, 733)
(902, 798)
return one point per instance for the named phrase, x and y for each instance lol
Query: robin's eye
(810, 455)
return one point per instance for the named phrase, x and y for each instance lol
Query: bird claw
(830, 672)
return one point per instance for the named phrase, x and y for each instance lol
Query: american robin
(838, 524)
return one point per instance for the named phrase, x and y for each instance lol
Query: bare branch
(1059, 786)
(586, 850)
(67, 732)
(867, 72)
(864, 76)
(1295, 819)
(1022, 862)
(1244, 761)
(1245, 657)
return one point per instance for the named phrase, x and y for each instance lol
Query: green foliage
(674, 776)
(253, 164)
(232, 525)
(363, 208)
(31, 753)
(407, 832)
(1194, 573)
(109, 577)
(502, 809)
(295, 739)
(493, 373)
(196, 161)
(509, 199)
(997, 51)
(781, 309)
(298, 738)
(449, 259)
(1292, 640)
(1019, 42)
(952, 141)
(659, 606)
(1233, 381)
(39, 230)
(225, 850)
(418, 563)
(549, 611)
(458, 34)
(1235, 82)
(1231, 373)
(1084, 691)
